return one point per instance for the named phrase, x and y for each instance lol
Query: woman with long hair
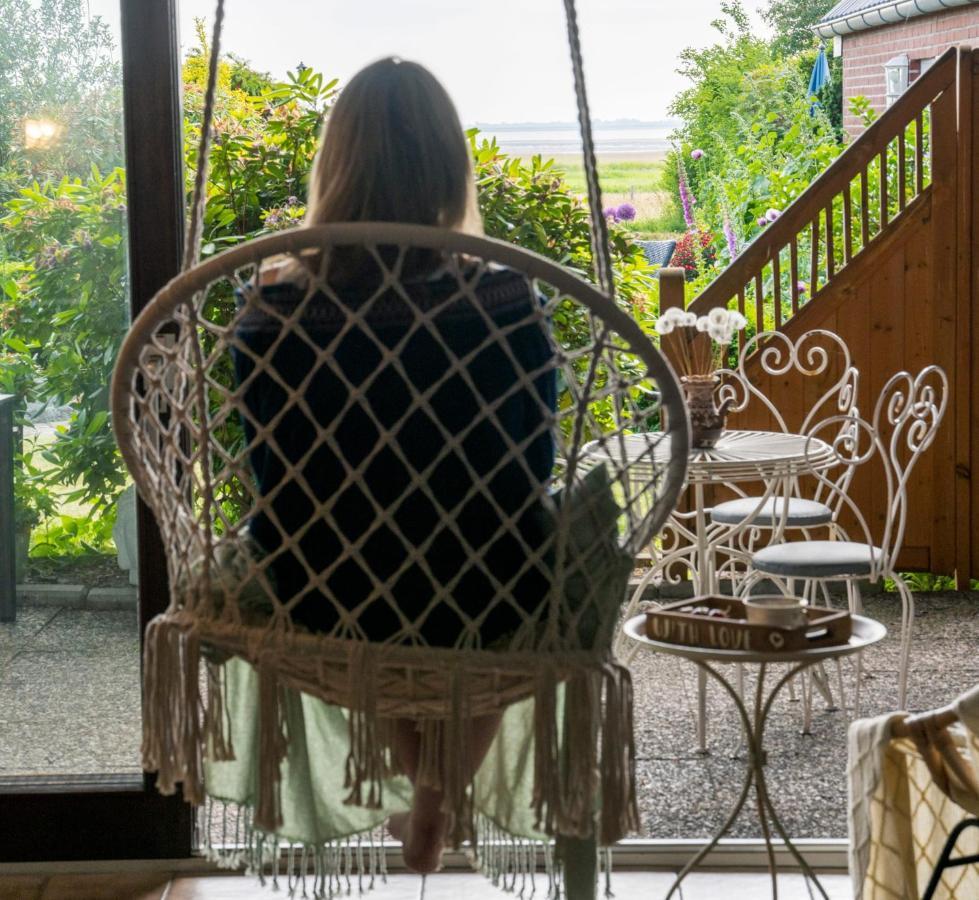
(381, 545)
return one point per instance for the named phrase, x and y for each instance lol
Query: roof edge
(890, 12)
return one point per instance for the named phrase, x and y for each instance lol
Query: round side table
(711, 662)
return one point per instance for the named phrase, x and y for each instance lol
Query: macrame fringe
(546, 796)
(228, 837)
(582, 713)
(584, 759)
(526, 867)
(619, 807)
(273, 745)
(217, 717)
(172, 736)
(570, 781)
(367, 761)
(457, 777)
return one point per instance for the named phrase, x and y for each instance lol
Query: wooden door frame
(113, 818)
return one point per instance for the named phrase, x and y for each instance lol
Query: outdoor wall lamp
(40, 134)
(896, 77)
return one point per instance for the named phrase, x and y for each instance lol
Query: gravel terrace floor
(69, 704)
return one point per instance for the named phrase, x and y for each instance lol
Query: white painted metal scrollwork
(906, 418)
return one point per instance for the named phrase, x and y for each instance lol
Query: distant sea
(554, 139)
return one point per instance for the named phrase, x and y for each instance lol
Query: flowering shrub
(695, 252)
(624, 213)
(63, 288)
(747, 144)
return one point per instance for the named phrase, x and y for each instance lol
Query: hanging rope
(195, 227)
(601, 255)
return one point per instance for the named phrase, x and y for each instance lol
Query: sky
(501, 60)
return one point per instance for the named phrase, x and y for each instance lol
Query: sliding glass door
(90, 226)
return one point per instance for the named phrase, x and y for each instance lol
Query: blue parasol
(820, 76)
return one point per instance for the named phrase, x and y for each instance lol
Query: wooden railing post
(974, 326)
(672, 288)
(945, 208)
(966, 363)
(672, 294)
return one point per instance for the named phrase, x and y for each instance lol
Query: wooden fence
(883, 250)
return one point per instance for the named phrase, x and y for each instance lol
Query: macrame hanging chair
(216, 370)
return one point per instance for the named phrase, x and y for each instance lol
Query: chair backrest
(657, 253)
(818, 365)
(820, 355)
(393, 446)
(906, 418)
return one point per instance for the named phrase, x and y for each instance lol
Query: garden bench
(658, 253)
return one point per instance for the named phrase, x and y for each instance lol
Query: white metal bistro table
(774, 458)
(711, 662)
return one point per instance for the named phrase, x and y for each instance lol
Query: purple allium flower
(801, 287)
(729, 235)
(611, 213)
(762, 221)
(696, 154)
(772, 214)
(686, 197)
(626, 212)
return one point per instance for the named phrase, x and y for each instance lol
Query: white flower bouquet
(698, 345)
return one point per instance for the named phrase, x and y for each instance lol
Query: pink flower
(730, 237)
(801, 287)
(762, 221)
(696, 154)
(772, 214)
(687, 200)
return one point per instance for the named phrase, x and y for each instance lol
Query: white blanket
(899, 819)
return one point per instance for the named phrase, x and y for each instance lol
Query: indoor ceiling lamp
(40, 134)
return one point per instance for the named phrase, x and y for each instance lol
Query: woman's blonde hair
(393, 150)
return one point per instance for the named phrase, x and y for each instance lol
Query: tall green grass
(617, 177)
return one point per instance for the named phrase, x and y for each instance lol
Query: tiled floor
(626, 885)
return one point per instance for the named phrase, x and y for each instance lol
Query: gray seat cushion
(815, 559)
(802, 513)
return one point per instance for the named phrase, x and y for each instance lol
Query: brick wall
(865, 52)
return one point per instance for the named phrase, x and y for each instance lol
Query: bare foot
(425, 835)
(397, 826)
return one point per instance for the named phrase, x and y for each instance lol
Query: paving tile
(69, 713)
(748, 886)
(127, 886)
(112, 598)
(458, 885)
(16, 636)
(640, 885)
(69, 687)
(21, 887)
(50, 595)
(398, 887)
(103, 632)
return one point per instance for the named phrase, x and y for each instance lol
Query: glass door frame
(94, 817)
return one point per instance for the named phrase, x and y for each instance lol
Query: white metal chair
(815, 354)
(905, 419)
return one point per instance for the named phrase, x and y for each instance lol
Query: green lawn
(641, 177)
(636, 181)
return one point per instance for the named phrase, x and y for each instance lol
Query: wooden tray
(827, 627)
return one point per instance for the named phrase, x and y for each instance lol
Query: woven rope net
(382, 482)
